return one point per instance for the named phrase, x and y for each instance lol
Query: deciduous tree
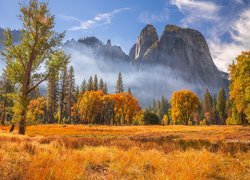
(184, 104)
(240, 86)
(37, 44)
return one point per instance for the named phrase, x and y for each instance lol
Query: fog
(146, 84)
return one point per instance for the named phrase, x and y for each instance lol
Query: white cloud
(236, 26)
(196, 11)
(100, 19)
(224, 53)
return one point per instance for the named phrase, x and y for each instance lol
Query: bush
(231, 121)
(150, 118)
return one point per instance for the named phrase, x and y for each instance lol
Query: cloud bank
(152, 82)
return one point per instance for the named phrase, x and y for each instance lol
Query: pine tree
(221, 105)
(95, 84)
(90, 84)
(62, 94)
(153, 107)
(105, 90)
(119, 84)
(84, 86)
(129, 91)
(207, 106)
(52, 95)
(70, 91)
(6, 103)
(101, 85)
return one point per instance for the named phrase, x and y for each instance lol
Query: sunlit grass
(126, 152)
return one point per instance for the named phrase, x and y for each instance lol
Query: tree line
(39, 58)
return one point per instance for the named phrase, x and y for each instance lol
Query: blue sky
(224, 23)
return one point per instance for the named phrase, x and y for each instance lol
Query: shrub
(150, 118)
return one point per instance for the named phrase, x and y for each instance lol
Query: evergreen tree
(90, 84)
(221, 105)
(52, 94)
(6, 103)
(77, 93)
(153, 107)
(70, 91)
(84, 86)
(95, 84)
(207, 102)
(101, 85)
(105, 90)
(62, 94)
(119, 84)
(207, 106)
(129, 91)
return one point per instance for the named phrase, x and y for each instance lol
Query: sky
(224, 23)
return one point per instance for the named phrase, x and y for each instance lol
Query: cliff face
(184, 51)
(146, 39)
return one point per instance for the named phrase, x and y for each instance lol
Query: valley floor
(126, 152)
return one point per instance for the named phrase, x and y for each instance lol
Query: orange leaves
(96, 107)
(36, 109)
(184, 104)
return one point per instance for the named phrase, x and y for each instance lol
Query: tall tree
(95, 83)
(207, 107)
(90, 86)
(62, 93)
(221, 106)
(101, 85)
(129, 91)
(6, 102)
(84, 86)
(52, 94)
(105, 90)
(37, 44)
(119, 84)
(240, 86)
(70, 92)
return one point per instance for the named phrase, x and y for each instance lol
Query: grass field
(126, 152)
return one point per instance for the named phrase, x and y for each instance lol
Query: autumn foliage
(97, 107)
(184, 104)
(36, 109)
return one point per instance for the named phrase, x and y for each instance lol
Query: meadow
(125, 152)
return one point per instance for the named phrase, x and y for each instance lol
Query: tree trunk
(4, 106)
(22, 125)
(3, 117)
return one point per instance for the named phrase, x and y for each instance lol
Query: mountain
(185, 51)
(107, 51)
(156, 65)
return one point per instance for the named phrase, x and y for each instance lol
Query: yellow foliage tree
(90, 106)
(97, 107)
(36, 109)
(240, 86)
(184, 104)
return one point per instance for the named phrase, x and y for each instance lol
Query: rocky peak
(183, 50)
(147, 38)
(90, 41)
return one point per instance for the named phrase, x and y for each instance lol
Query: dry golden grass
(126, 152)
